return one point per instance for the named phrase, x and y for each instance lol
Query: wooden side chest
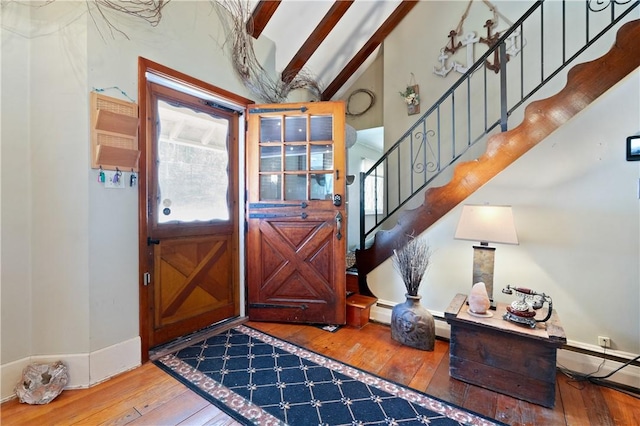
(499, 355)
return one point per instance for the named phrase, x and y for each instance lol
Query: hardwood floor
(148, 396)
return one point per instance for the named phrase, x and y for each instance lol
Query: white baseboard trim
(108, 362)
(85, 370)
(579, 362)
(10, 374)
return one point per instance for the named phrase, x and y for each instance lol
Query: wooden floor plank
(554, 416)
(158, 399)
(429, 365)
(444, 387)
(596, 406)
(624, 409)
(403, 365)
(115, 419)
(379, 348)
(481, 401)
(134, 404)
(173, 411)
(510, 411)
(575, 412)
(207, 415)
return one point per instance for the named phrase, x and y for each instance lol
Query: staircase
(585, 83)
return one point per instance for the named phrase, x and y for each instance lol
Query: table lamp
(486, 224)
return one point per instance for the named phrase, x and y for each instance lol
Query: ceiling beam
(260, 17)
(322, 30)
(376, 40)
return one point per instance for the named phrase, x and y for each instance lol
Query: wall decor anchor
(514, 44)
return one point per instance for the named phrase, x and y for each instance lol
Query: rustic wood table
(502, 356)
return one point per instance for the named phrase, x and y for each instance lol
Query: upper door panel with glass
(191, 185)
(296, 158)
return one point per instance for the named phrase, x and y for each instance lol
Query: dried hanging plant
(147, 10)
(247, 66)
(412, 262)
(244, 60)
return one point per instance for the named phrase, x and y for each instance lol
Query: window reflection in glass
(295, 129)
(321, 128)
(295, 186)
(295, 157)
(270, 187)
(321, 157)
(321, 187)
(270, 129)
(270, 158)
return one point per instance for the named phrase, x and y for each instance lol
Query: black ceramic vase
(413, 325)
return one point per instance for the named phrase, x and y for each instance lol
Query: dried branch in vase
(412, 262)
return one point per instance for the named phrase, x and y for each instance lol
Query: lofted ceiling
(334, 41)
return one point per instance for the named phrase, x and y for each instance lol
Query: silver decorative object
(41, 383)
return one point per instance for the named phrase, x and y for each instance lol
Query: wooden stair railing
(585, 83)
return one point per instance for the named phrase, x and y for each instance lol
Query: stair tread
(361, 301)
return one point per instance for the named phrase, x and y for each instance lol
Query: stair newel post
(503, 86)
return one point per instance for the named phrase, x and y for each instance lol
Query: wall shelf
(114, 133)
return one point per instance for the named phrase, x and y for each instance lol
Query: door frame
(144, 131)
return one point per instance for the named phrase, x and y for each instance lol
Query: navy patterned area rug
(259, 379)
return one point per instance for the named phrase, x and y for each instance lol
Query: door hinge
(268, 110)
(146, 278)
(151, 241)
(303, 306)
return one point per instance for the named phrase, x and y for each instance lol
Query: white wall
(70, 246)
(575, 202)
(15, 172)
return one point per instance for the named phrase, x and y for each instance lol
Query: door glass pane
(321, 157)
(193, 159)
(270, 129)
(295, 187)
(295, 129)
(321, 128)
(321, 186)
(295, 157)
(270, 187)
(270, 158)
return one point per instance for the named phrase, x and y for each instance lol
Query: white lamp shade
(487, 224)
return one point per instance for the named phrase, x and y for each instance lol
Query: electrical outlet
(604, 342)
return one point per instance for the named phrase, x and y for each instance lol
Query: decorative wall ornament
(246, 64)
(147, 10)
(470, 39)
(411, 96)
(372, 102)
